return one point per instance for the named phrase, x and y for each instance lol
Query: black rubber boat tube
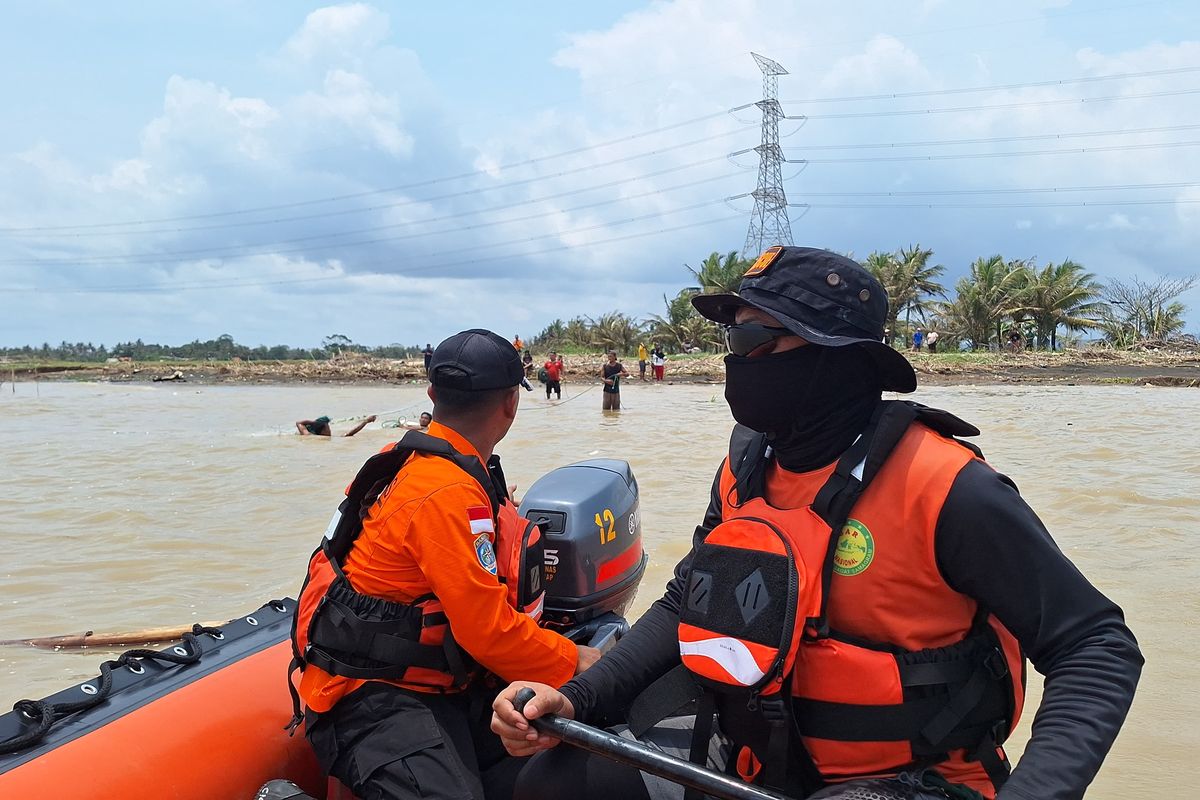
(644, 758)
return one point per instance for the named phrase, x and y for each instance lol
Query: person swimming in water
(320, 426)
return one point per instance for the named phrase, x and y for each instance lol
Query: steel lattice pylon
(769, 223)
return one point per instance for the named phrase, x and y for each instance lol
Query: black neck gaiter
(811, 401)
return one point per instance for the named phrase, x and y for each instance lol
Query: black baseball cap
(821, 296)
(475, 361)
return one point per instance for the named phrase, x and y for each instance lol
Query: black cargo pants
(386, 743)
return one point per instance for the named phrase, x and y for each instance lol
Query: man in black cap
(430, 598)
(862, 591)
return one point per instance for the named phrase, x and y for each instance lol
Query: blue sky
(394, 172)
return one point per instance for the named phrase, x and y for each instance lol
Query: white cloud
(885, 64)
(202, 118)
(338, 33)
(1114, 222)
(348, 101)
(357, 114)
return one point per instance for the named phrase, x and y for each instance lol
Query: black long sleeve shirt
(990, 546)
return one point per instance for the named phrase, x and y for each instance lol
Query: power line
(860, 146)
(272, 249)
(157, 257)
(242, 250)
(142, 288)
(1027, 104)
(405, 187)
(1105, 203)
(204, 286)
(957, 156)
(1000, 87)
(154, 259)
(997, 139)
(452, 195)
(1011, 190)
(237, 251)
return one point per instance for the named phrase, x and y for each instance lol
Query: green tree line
(223, 348)
(995, 299)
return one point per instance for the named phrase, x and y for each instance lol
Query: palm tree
(616, 331)
(985, 298)
(553, 335)
(909, 280)
(1061, 295)
(578, 333)
(682, 324)
(720, 274)
(919, 286)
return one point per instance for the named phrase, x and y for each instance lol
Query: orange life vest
(834, 621)
(346, 633)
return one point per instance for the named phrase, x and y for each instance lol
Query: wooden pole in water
(171, 633)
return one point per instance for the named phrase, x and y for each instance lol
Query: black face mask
(812, 401)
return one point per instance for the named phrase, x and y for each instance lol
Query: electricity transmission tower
(769, 223)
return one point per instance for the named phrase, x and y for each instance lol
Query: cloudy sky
(394, 172)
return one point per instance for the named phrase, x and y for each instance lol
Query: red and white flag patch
(480, 518)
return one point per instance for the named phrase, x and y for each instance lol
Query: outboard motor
(594, 554)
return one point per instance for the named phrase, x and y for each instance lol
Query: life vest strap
(706, 713)
(993, 759)
(777, 714)
(962, 702)
(666, 697)
(381, 469)
(294, 694)
(323, 660)
(388, 643)
(457, 663)
(855, 470)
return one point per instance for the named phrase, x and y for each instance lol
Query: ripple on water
(174, 507)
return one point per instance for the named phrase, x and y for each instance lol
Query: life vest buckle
(996, 663)
(773, 709)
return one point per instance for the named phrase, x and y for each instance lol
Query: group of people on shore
(927, 340)
(853, 618)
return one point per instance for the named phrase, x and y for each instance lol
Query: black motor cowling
(594, 554)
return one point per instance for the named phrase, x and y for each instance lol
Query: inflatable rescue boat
(205, 719)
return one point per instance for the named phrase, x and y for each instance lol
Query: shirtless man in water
(320, 426)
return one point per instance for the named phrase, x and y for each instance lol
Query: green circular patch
(855, 549)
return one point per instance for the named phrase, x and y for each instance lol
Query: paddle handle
(644, 758)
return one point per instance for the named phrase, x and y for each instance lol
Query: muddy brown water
(125, 507)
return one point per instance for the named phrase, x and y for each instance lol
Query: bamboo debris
(168, 633)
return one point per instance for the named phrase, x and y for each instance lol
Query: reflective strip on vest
(730, 654)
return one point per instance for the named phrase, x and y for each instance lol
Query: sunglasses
(744, 338)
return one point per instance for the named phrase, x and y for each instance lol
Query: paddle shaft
(644, 758)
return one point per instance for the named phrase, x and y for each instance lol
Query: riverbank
(1075, 367)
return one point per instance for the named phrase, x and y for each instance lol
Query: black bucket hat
(821, 296)
(475, 361)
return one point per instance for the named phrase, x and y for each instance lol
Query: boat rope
(559, 402)
(44, 714)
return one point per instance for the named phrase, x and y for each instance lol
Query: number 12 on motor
(607, 524)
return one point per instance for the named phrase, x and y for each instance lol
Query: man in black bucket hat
(822, 297)
(859, 598)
